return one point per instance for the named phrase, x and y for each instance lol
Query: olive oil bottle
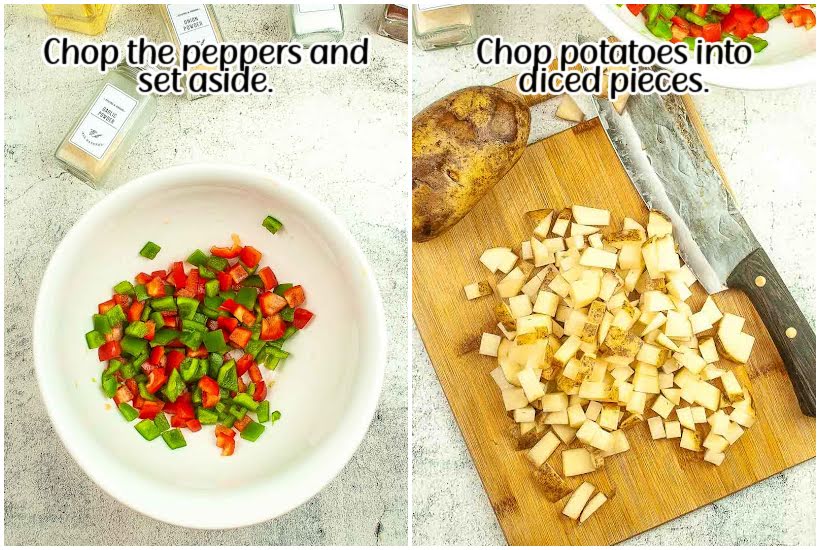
(85, 18)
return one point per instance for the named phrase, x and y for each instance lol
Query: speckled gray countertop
(340, 133)
(766, 142)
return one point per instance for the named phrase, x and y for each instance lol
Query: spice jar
(442, 25)
(107, 127)
(85, 18)
(191, 24)
(394, 22)
(312, 23)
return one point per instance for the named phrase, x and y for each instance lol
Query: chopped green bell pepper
(128, 412)
(140, 293)
(212, 288)
(124, 287)
(101, 323)
(109, 386)
(191, 338)
(166, 303)
(161, 422)
(246, 401)
(275, 415)
(187, 307)
(134, 346)
(188, 324)
(216, 263)
(175, 386)
(116, 316)
(252, 431)
(197, 258)
(150, 250)
(263, 411)
(280, 289)
(246, 297)
(227, 376)
(174, 439)
(215, 341)
(206, 416)
(147, 429)
(271, 224)
(215, 361)
(137, 329)
(164, 336)
(94, 339)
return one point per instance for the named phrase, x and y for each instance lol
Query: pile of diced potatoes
(595, 336)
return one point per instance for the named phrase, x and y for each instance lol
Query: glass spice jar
(107, 127)
(191, 24)
(85, 18)
(394, 22)
(442, 25)
(311, 23)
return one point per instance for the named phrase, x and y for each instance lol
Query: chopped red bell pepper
(174, 359)
(224, 279)
(255, 374)
(229, 305)
(242, 423)
(123, 300)
(238, 273)
(241, 336)
(176, 421)
(228, 323)
(301, 317)
(143, 278)
(268, 278)
(700, 9)
(743, 15)
(209, 400)
(177, 276)
(245, 316)
(295, 296)
(250, 256)
(243, 364)
(228, 252)
(152, 330)
(155, 288)
(192, 282)
(170, 320)
(240, 386)
(760, 25)
(135, 311)
(711, 32)
(273, 327)
(208, 385)
(105, 306)
(194, 425)
(198, 353)
(109, 350)
(131, 384)
(156, 379)
(150, 409)
(123, 395)
(635, 9)
(156, 355)
(271, 303)
(260, 391)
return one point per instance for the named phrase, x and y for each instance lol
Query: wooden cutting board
(656, 480)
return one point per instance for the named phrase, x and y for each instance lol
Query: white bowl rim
(798, 72)
(356, 428)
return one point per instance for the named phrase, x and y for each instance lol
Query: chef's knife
(666, 161)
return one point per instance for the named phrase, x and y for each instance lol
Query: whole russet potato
(462, 145)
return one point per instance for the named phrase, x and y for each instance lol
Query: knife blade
(667, 163)
(664, 158)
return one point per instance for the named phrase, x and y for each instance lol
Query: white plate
(788, 61)
(327, 391)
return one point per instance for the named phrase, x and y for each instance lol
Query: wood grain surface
(653, 482)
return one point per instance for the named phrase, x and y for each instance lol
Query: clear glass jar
(394, 22)
(442, 25)
(311, 23)
(85, 18)
(191, 24)
(107, 127)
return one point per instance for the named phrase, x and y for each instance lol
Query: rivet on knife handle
(786, 324)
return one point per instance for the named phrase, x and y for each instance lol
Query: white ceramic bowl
(788, 61)
(327, 391)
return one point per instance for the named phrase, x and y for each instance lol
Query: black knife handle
(757, 277)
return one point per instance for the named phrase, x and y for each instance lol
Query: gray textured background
(767, 144)
(341, 133)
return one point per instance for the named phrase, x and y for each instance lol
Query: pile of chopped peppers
(189, 344)
(716, 22)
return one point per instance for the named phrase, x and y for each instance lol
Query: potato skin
(462, 145)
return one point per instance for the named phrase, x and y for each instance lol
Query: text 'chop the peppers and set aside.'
(716, 22)
(190, 344)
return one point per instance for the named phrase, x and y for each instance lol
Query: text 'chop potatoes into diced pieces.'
(598, 333)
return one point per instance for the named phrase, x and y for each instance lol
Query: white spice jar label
(100, 126)
(310, 8)
(192, 24)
